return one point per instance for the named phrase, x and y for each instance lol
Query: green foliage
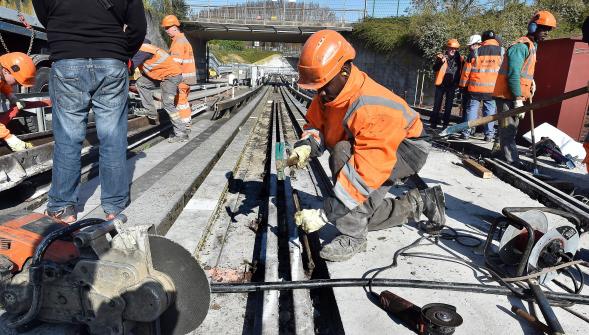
(236, 52)
(432, 22)
(228, 45)
(166, 7)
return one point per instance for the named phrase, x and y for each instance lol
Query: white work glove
(533, 88)
(16, 144)
(20, 105)
(518, 104)
(310, 220)
(302, 154)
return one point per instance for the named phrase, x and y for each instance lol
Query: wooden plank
(477, 168)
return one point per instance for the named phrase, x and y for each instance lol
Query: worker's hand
(20, 105)
(16, 144)
(310, 220)
(517, 104)
(301, 154)
(533, 88)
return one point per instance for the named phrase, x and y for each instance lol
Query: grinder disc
(193, 293)
(513, 239)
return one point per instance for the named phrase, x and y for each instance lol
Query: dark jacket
(452, 76)
(87, 29)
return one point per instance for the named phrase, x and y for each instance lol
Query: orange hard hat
(544, 18)
(453, 43)
(322, 57)
(170, 20)
(20, 66)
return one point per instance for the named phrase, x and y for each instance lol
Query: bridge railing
(256, 15)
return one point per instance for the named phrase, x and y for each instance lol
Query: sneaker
(342, 248)
(64, 215)
(178, 138)
(188, 127)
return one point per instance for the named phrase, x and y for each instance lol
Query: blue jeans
(75, 87)
(472, 112)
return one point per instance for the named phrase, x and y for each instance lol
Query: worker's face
(475, 46)
(8, 78)
(333, 88)
(541, 33)
(172, 31)
(451, 51)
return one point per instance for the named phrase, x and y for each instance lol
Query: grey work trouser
(377, 212)
(169, 88)
(508, 132)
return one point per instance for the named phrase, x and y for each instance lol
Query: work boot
(430, 202)
(342, 248)
(64, 215)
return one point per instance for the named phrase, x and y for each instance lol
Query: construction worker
(478, 78)
(372, 135)
(474, 41)
(515, 82)
(181, 52)
(17, 68)
(447, 67)
(158, 68)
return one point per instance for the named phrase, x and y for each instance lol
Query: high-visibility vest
(375, 120)
(441, 73)
(160, 66)
(526, 73)
(181, 52)
(480, 72)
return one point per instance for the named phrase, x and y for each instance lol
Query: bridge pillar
(199, 47)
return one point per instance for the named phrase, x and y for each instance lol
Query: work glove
(518, 104)
(20, 105)
(16, 144)
(310, 220)
(533, 88)
(302, 154)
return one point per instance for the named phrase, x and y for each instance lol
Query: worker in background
(586, 142)
(447, 67)
(17, 69)
(372, 136)
(515, 82)
(478, 78)
(474, 41)
(158, 68)
(91, 42)
(181, 52)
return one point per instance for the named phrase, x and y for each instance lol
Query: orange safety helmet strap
(322, 57)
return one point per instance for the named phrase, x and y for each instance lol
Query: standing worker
(478, 78)
(474, 41)
(17, 68)
(515, 82)
(371, 134)
(158, 68)
(181, 52)
(91, 42)
(447, 67)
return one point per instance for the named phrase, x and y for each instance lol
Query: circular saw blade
(569, 240)
(508, 252)
(193, 293)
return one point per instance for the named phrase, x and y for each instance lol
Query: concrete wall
(154, 32)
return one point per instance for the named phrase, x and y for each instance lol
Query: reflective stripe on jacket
(526, 73)
(160, 66)
(375, 120)
(181, 52)
(480, 71)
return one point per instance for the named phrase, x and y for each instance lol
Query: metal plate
(193, 293)
(507, 250)
(569, 240)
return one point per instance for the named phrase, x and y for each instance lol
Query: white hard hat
(473, 39)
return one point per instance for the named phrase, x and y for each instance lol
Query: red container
(562, 66)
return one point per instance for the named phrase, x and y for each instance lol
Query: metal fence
(283, 12)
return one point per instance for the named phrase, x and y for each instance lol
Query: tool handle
(531, 319)
(539, 104)
(546, 309)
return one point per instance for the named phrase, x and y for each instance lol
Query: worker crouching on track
(478, 78)
(447, 67)
(17, 68)
(158, 68)
(515, 82)
(182, 54)
(372, 135)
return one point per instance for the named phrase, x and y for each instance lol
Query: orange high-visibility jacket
(5, 91)
(160, 66)
(181, 52)
(479, 74)
(441, 73)
(526, 74)
(375, 120)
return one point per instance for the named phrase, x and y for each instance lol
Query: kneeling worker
(17, 68)
(371, 134)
